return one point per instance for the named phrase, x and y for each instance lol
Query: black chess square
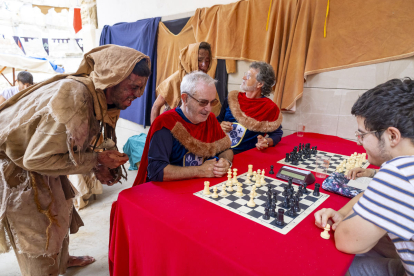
(311, 198)
(234, 205)
(255, 214)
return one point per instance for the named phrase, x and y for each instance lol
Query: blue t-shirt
(166, 150)
(241, 138)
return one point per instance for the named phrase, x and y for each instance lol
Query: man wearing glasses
(187, 142)
(248, 116)
(385, 116)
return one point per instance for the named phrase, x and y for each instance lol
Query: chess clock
(298, 176)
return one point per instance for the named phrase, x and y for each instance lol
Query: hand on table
(323, 215)
(103, 174)
(112, 158)
(221, 167)
(207, 168)
(226, 126)
(359, 172)
(262, 143)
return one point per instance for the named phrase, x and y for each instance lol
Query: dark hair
(390, 104)
(206, 46)
(142, 69)
(25, 77)
(266, 76)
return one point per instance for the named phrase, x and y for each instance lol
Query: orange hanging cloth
(77, 20)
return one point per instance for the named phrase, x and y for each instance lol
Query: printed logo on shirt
(190, 159)
(236, 134)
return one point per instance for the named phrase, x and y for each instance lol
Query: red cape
(259, 114)
(204, 139)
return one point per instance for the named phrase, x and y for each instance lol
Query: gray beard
(247, 88)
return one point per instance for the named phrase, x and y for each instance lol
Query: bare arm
(172, 172)
(2, 100)
(155, 110)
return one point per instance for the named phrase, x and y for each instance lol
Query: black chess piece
(286, 202)
(296, 205)
(280, 220)
(300, 191)
(269, 189)
(316, 190)
(266, 215)
(275, 196)
(305, 190)
(290, 182)
(287, 158)
(271, 167)
(300, 146)
(285, 191)
(272, 212)
(291, 212)
(300, 156)
(316, 149)
(295, 149)
(269, 200)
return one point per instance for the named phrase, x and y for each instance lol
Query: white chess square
(245, 209)
(224, 201)
(241, 201)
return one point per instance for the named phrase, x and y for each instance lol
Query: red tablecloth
(161, 228)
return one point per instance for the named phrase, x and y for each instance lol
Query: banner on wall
(19, 43)
(79, 41)
(45, 43)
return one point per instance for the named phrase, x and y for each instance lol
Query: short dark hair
(266, 76)
(142, 69)
(25, 77)
(205, 46)
(390, 104)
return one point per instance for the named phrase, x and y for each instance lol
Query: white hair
(190, 82)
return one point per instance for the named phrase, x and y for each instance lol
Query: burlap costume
(45, 133)
(169, 89)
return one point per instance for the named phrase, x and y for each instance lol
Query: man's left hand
(262, 143)
(221, 167)
(103, 174)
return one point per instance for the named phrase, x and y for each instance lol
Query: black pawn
(280, 220)
(272, 211)
(290, 182)
(285, 191)
(291, 212)
(305, 190)
(266, 215)
(287, 159)
(296, 205)
(274, 200)
(269, 189)
(300, 191)
(286, 203)
(316, 190)
(271, 168)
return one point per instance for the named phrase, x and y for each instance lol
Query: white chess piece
(325, 234)
(206, 188)
(229, 181)
(250, 170)
(254, 176)
(239, 190)
(251, 203)
(223, 190)
(254, 190)
(234, 181)
(214, 195)
(248, 182)
(262, 180)
(258, 185)
(258, 172)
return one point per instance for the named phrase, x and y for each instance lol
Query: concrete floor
(92, 239)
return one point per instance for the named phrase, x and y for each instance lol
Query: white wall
(111, 12)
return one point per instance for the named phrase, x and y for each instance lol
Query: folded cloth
(337, 183)
(134, 148)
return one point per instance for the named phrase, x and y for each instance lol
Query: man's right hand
(103, 174)
(112, 158)
(226, 126)
(323, 215)
(359, 172)
(207, 169)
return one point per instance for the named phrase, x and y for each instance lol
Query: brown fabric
(169, 46)
(358, 33)
(169, 89)
(197, 147)
(248, 122)
(231, 66)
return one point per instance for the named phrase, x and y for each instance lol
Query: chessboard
(310, 164)
(308, 203)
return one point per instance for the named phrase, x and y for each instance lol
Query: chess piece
(259, 172)
(248, 182)
(228, 171)
(325, 234)
(251, 202)
(234, 181)
(229, 183)
(280, 220)
(206, 188)
(254, 190)
(291, 212)
(214, 195)
(296, 205)
(266, 215)
(300, 191)
(285, 191)
(286, 203)
(262, 179)
(273, 209)
(316, 190)
(250, 171)
(239, 190)
(271, 169)
(254, 176)
(287, 159)
(258, 176)
(223, 192)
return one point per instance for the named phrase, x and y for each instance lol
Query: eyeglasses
(203, 103)
(360, 135)
(247, 75)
